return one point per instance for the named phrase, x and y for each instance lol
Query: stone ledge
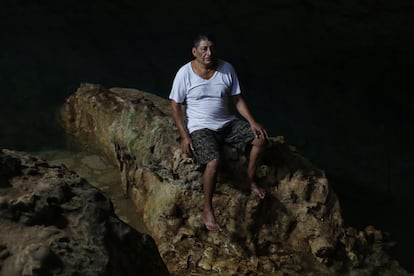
(296, 229)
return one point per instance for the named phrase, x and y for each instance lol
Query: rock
(54, 223)
(297, 229)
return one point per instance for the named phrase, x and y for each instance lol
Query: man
(206, 86)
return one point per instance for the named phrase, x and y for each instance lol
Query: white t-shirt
(206, 101)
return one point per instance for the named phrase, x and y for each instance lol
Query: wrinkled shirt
(206, 101)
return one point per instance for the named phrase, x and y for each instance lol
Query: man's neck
(206, 67)
(205, 71)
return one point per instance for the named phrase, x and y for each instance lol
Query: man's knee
(213, 164)
(260, 143)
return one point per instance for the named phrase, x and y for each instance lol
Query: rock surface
(52, 222)
(296, 229)
(101, 173)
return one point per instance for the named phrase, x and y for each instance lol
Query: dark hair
(203, 36)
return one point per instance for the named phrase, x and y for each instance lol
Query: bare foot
(259, 191)
(210, 222)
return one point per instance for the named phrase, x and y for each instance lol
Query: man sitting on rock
(205, 86)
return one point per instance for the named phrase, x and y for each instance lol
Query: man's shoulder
(226, 65)
(184, 70)
(223, 62)
(185, 66)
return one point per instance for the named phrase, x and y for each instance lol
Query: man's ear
(193, 51)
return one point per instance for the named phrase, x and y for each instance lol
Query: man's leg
(239, 133)
(258, 145)
(207, 151)
(209, 185)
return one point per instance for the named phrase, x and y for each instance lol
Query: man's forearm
(179, 119)
(243, 109)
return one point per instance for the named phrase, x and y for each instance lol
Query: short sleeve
(235, 85)
(179, 87)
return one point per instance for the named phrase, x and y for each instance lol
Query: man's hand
(259, 131)
(177, 112)
(187, 146)
(241, 106)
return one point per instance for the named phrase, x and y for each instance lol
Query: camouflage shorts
(207, 143)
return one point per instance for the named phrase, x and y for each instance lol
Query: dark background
(333, 77)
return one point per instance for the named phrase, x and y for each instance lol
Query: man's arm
(177, 112)
(244, 110)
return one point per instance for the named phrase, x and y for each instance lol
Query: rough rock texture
(296, 229)
(101, 173)
(54, 223)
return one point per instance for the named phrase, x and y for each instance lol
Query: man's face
(205, 52)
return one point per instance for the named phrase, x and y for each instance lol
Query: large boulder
(52, 222)
(297, 228)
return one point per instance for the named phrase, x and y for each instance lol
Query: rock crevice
(52, 222)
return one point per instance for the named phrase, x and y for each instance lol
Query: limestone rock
(296, 229)
(54, 223)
